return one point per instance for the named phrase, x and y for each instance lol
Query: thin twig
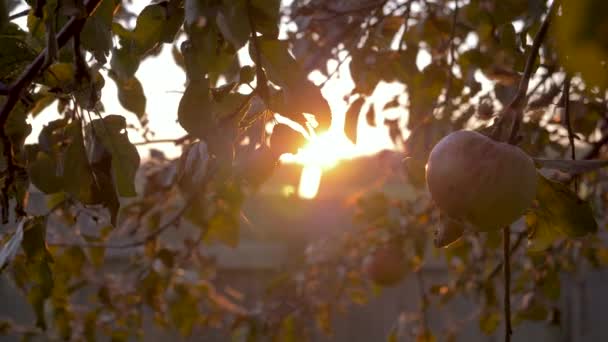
(507, 282)
(406, 18)
(173, 221)
(519, 100)
(567, 120)
(520, 238)
(336, 70)
(540, 82)
(261, 81)
(18, 14)
(423, 301)
(175, 141)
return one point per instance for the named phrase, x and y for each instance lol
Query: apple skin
(486, 183)
(387, 265)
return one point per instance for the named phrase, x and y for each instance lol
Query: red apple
(480, 181)
(387, 265)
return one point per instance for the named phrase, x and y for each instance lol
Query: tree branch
(173, 221)
(72, 27)
(261, 81)
(519, 100)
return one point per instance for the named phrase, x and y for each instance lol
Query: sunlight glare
(324, 151)
(310, 181)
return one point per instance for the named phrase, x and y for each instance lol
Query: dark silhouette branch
(18, 15)
(176, 141)
(519, 100)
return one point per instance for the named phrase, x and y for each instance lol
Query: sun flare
(323, 151)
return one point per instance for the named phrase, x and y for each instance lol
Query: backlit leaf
(77, 174)
(557, 212)
(351, 119)
(111, 131)
(299, 94)
(233, 22)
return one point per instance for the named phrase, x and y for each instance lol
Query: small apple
(477, 180)
(387, 265)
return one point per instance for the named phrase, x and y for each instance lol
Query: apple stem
(507, 279)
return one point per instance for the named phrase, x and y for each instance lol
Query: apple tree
(527, 75)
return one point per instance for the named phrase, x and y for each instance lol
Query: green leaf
(156, 24)
(299, 94)
(285, 139)
(352, 119)
(77, 175)
(266, 16)
(233, 22)
(15, 54)
(370, 116)
(194, 111)
(16, 126)
(489, 322)
(11, 247)
(34, 238)
(42, 103)
(223, 227)
(131, 96)
(573, 167)
(288, 330)
(96, 35)
(111, 132)
(557, 212)
(34, 245)
(124, 63)
(43, 173)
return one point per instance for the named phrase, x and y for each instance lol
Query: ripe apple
(475, 179)
(387, 265)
